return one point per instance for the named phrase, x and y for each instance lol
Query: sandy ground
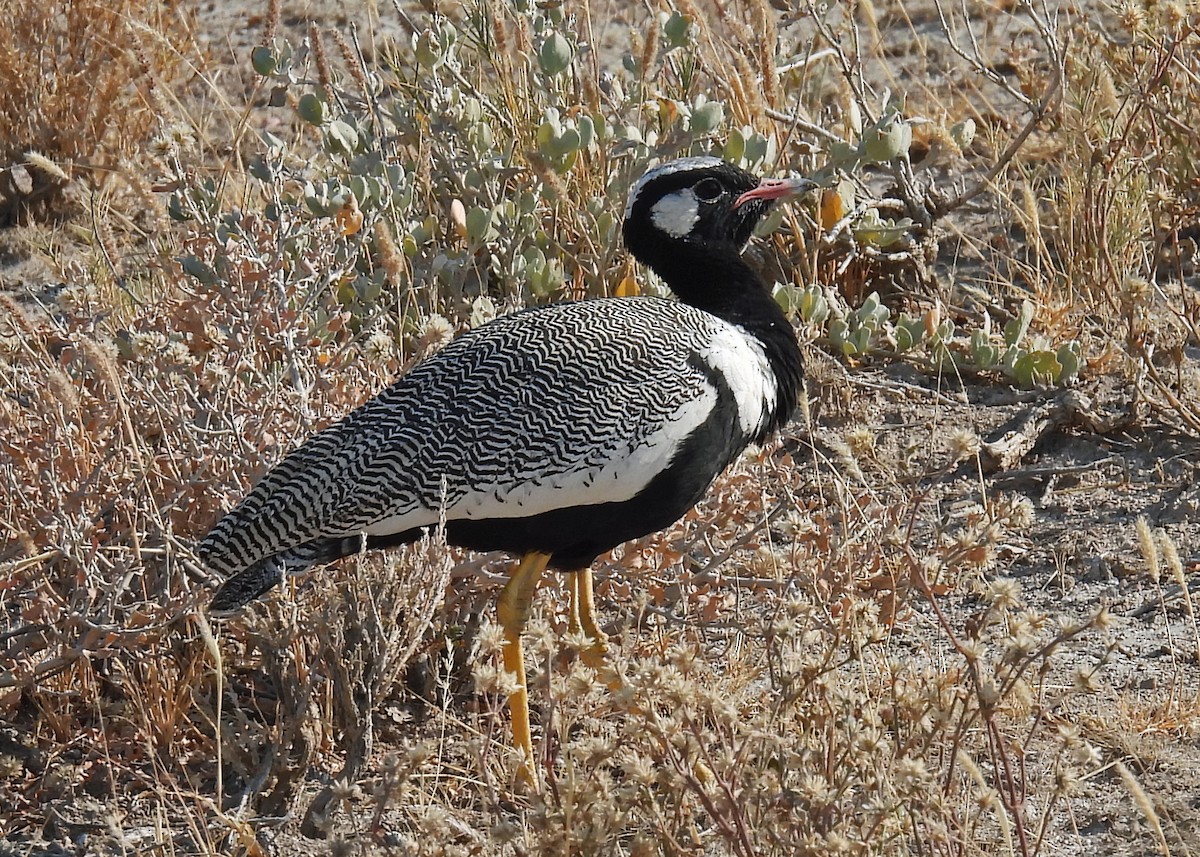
(1088, 489)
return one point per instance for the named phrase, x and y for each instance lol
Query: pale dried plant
(791, 667)
(369, 630)
(100, 107)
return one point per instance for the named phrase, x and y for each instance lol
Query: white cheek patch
(700, 162)
(676, 214)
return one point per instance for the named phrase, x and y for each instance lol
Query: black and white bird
(556, 433)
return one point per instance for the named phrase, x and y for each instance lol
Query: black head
(693, 201)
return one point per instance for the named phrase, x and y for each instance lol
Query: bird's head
(700, 201)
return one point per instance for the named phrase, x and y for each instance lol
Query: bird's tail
(260, 578)
(239, 590)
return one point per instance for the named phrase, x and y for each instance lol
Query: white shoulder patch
(743, 363)
(676, 214)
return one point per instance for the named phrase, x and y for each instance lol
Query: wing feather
(559, 406)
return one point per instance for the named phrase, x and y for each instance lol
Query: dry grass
(84, 87)
(820, 659)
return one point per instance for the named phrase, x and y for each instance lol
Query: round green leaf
(888, 142)
(263, 60)
(708, 117)
(555, 54)
(312, 109)
(678, 29)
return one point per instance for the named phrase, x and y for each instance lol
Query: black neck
(718, 281)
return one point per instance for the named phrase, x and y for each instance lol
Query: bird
(554, 433)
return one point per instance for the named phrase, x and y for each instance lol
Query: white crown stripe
(699, 162)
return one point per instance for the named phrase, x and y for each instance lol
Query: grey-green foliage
(883, 145)
(886, 139)
(555, 53)
(560, 140)
(853, 332)
(748, 148)
(453, 164)
(935, 341)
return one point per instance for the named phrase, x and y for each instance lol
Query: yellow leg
(513, 612)
(583, 618)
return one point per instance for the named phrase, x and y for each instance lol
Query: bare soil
(1087, 486)
(1081, 553)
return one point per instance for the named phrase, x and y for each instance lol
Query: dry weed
(84, 88)
(793, 678)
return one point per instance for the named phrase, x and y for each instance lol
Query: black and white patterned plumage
(566, 429)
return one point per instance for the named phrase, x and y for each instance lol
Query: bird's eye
(708, 190)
